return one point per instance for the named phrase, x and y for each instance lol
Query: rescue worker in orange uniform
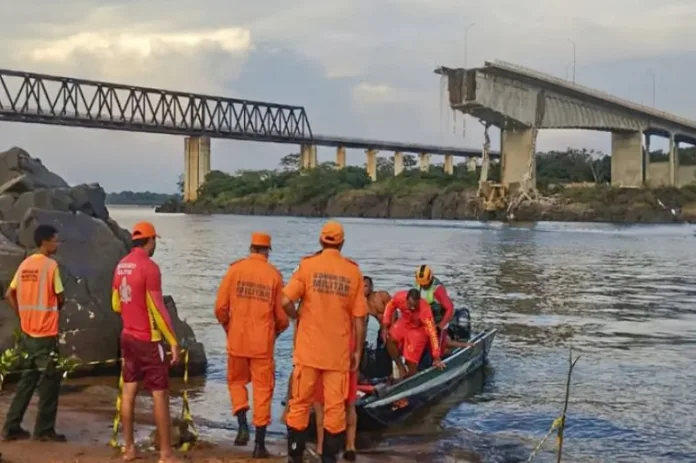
(249, 308)
(36, 296)
(411, 332)
(435, 294)
(333, 309)
(137, 296)
(351, 413)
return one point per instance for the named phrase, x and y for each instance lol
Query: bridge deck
(361, 143)
(582, 92)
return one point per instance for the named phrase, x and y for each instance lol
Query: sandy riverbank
(86, 416)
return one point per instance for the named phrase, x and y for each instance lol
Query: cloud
(368, 94)
(139, 46)
(361, 68)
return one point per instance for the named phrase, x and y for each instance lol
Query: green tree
(290, 162)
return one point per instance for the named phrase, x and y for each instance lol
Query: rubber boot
(243, 429)
(333, 443)
(296, 445)
(260, 443)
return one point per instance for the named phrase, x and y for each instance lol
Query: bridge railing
(44, 99)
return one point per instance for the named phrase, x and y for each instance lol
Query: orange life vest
(36, 297)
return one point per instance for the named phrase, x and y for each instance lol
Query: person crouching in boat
(411, 332)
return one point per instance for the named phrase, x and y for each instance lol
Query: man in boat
(333, 308)
(249, 308)
(376, 300)
(411, 332)
(434, 292)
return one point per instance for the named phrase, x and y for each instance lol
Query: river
(623, 297)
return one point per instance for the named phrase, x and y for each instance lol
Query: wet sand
(86, 415)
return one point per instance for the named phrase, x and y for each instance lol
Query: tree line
(290, 183)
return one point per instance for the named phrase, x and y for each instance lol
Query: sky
(361, 68)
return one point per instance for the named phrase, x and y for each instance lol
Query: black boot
(296, 445)
(260, 446)
(243, 430)
(333, 443)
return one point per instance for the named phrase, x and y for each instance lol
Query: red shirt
(137, 296)
(419, 319)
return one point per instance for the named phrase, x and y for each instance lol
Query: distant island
(139, 198)
(573, 185)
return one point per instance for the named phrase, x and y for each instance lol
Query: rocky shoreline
(91, 245)
(586, 204)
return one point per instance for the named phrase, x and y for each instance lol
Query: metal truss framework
(44, 99)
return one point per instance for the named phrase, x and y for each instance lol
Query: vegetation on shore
(139, 198)
(577, 180)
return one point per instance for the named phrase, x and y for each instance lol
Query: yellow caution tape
(555, 425)
(10, 357)
(185, 411)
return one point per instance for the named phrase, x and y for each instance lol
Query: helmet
(424, 275)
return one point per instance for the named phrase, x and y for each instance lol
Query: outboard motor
(459, 328)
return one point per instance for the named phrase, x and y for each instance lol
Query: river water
(623, 297)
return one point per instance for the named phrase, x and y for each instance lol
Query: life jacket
(36, 298)
(429, 296)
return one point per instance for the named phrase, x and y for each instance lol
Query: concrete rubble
(91, 245)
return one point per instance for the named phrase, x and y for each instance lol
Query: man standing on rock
(137, 296)
(36, 295)
(333, 310)
(249, 308)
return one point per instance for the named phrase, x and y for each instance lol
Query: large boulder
(19, 172)
(91, 244)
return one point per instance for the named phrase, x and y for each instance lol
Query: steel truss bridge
(46, 99)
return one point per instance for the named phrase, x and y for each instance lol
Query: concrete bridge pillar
(398, 163)
(516, 150)
(424, 161)
(449, 164)
(627, 159)
(673, 160)
(372, 164)
(471, 164)
(196, 165)
(308, 156)
(341, 157)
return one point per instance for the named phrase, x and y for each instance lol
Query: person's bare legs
(160, 400)
(395, 354)
(319, 415)
(128, 394)
(351, 431)
(411, 369)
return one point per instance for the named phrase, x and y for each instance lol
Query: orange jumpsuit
(249, 306)
(413, 329)
(332, 291)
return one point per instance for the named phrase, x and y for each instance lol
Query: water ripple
(622, 296)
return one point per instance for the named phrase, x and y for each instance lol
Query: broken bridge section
(520, 101)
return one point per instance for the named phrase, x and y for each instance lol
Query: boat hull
(395, 404)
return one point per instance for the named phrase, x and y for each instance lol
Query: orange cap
(262, 240)
(143, 230)
(332, 233)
